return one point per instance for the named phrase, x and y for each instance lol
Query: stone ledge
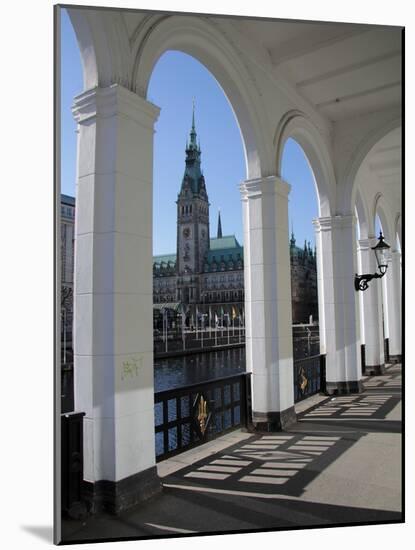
(342, 388)
(273, 421)
(375, 370)
(117, 496)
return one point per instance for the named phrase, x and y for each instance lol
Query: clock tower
(192, 224)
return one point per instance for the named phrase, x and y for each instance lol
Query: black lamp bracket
(361, 282)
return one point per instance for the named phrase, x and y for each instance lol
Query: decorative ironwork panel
(191, 415)
(309, 377)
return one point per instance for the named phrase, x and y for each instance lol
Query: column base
(341, 388)
(273, 421)
(395, 358)
(375, 370)
(117, 496)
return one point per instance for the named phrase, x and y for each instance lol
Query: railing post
(386, 348)
(72, 460)
(246, 402)
(363, 357)
(323, 374)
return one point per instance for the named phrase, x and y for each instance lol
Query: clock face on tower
(186, 232)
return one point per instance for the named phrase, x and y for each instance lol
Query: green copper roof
(228, 241)
(228, 247)
(164, 258)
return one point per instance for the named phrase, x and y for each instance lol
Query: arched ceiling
(381, 173)
(339, 73)
(343, 70)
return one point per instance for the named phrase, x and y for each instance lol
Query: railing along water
(191, 415)
(309, 376)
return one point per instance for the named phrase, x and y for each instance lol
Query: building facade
(303, 283)
(67, 230)
(206, 274)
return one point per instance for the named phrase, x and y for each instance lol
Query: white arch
(346, 194)
(103, 43)
(201, 39)
(397, 232)
(362, 215)
(380, 208)
(295, 124)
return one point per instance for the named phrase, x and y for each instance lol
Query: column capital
(267, 185)
(366, 244)
(329, 223)
(114, 100)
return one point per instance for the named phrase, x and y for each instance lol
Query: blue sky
(177, 79)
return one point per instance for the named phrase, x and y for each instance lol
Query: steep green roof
(228, 241)
(225, 246)
(164, 258)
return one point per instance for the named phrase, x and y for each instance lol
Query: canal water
(173, 372)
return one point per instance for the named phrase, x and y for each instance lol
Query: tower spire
(219, 226)
(193, 114)
(193, 134)
(292, 240)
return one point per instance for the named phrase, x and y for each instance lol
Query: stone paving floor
(339, 464)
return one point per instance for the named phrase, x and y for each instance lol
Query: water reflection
(189, 369)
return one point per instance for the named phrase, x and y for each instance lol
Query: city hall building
(205, 276)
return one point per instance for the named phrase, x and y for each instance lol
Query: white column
(268, 316)
(113, 340)
(372, 312)
(394, 297)
(338, 304)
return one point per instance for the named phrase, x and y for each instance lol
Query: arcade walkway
(340, 463)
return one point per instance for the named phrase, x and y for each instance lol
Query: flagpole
(165, 328)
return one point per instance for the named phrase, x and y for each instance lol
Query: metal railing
(191, 415)
(72, 459)
(208, 339)
(363, 357)
(67, 388)
(386, 350)
(309, 377)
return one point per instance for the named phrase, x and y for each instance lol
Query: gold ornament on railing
(202, 414)
(303, 380)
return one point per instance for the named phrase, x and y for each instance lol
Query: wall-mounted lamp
(361, 282)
